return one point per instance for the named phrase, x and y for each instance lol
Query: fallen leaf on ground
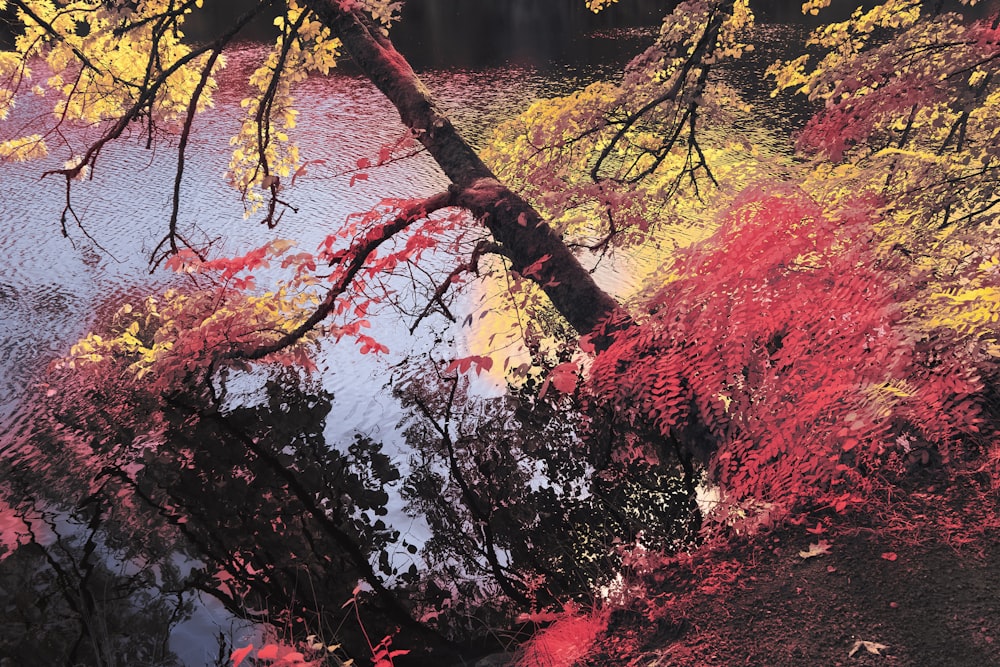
(818, 549)
(872, 647)
(889, 555)
(818, 530)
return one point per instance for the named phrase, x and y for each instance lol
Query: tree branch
(351, 261)
(514, 223)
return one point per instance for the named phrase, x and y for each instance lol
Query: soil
(931, 607)
(921, 585)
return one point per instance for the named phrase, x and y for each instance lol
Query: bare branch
(482, 248)
(172, 235)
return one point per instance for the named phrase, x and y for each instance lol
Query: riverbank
(913, 584)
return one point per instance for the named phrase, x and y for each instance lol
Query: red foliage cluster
(781, 338)
(890, 82)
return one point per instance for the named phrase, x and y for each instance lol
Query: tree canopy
(822, 322)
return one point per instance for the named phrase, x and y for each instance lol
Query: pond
(339, 430)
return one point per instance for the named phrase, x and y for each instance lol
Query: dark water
(537, 33)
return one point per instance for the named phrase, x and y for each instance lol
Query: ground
(932, 606)
(918, 580)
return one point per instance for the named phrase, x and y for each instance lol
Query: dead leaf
(818, 549)
(872, 647)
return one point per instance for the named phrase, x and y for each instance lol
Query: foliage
(910, 115)
(169, 341)
(222, 321)
(619, 164)
(783, 339)
(820, 322)
(263, 154)
(100, 54)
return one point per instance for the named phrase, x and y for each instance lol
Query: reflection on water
(534, 33)
(264, 513)
(155, 497)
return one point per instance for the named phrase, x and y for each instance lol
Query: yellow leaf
(872, 647)
(820, 548)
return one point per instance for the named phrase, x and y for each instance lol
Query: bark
(526, 240)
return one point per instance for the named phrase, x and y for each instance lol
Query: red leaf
(564, 376)
(533, 269)
(269, 652)
(240, 654)
(358, 177)
(465, 363)
(890, 556)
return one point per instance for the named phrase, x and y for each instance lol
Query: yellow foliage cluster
(549, 151)
(168, 338)
(262, 149)
(598, 5)
(23, 148)
(101, 56)
(384, 12)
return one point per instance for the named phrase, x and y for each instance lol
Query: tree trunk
(524, 238)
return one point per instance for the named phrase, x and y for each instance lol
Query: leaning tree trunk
(524, 238)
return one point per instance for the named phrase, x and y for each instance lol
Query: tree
(832, 325)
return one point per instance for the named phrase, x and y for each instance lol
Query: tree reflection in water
(280, 524)
(132, 501)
